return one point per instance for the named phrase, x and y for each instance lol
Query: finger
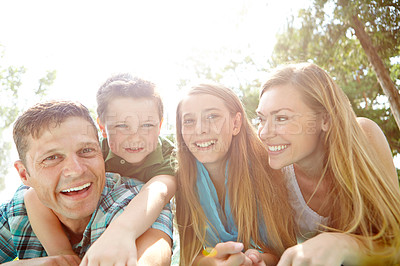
(228, 248)
(254, 255)
(237, 259)
(286, 258)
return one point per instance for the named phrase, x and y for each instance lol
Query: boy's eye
(188, 122)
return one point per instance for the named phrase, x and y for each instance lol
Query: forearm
(145, 207)
(43, 221)
(154, 248)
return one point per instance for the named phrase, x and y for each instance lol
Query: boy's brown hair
(126, 85)
(40, 117)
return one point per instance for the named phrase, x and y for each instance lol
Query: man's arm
(154, 248)
(62, 260)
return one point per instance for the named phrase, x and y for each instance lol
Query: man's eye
(148, 125)
(51, 158)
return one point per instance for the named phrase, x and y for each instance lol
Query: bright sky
(87, 41)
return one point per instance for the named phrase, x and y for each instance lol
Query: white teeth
(76, 188)
(277, 148)
(205, 144)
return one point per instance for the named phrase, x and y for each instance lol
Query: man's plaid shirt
(18, 240)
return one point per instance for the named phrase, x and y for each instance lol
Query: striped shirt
(17, 238)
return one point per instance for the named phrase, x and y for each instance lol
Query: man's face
(66, 168)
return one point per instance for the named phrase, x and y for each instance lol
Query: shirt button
(122, 161)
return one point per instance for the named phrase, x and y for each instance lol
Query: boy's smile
(132, 126)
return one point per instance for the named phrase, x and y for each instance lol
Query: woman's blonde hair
(362, 201)
(256, 192)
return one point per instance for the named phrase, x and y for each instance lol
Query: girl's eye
(121, 126)
(212, 116)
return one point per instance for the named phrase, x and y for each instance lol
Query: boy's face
(132, 126)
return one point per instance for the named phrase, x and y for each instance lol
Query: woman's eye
(281, 118)
(259, 121)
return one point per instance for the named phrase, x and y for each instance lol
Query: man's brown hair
(40, 116)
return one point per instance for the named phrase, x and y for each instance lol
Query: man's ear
(159, 128)
(102, 128)
(326, 122)
(22, 171)
(237, 123)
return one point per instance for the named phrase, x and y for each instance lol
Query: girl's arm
(46, 226)
(115, 245)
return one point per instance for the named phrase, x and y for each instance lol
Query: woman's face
(290, 130)
(207, 128)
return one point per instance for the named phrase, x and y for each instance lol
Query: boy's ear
(237, 123)
(22, 171)
(102, 128)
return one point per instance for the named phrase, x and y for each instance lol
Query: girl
(226, 192)
(339, 170)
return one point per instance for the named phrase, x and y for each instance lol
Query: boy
(130, 114)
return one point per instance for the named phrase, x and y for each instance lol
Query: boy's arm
(154, 248)
(117, 243)
(46, 226)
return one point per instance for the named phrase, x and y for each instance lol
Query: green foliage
(322, 34)
(12, 100)
(240, 73)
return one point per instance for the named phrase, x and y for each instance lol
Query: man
(60, 157)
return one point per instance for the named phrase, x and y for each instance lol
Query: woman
(227, 198)
(339, 170)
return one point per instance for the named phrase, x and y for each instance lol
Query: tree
(11, 100)
(239, 72)
(325, 34)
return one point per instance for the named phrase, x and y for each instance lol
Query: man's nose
(73, 166)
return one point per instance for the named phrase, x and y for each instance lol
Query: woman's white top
(307, 220)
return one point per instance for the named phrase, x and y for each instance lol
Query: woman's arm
(115, 244)
(332, 249)
(378, 142)
(46, 226)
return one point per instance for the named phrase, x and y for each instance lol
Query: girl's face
(290, 130)
(208, 128)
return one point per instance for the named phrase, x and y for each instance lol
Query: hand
(114, 247)
(255, 257)
(228, 253)
(324, 249)
(61, 260)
